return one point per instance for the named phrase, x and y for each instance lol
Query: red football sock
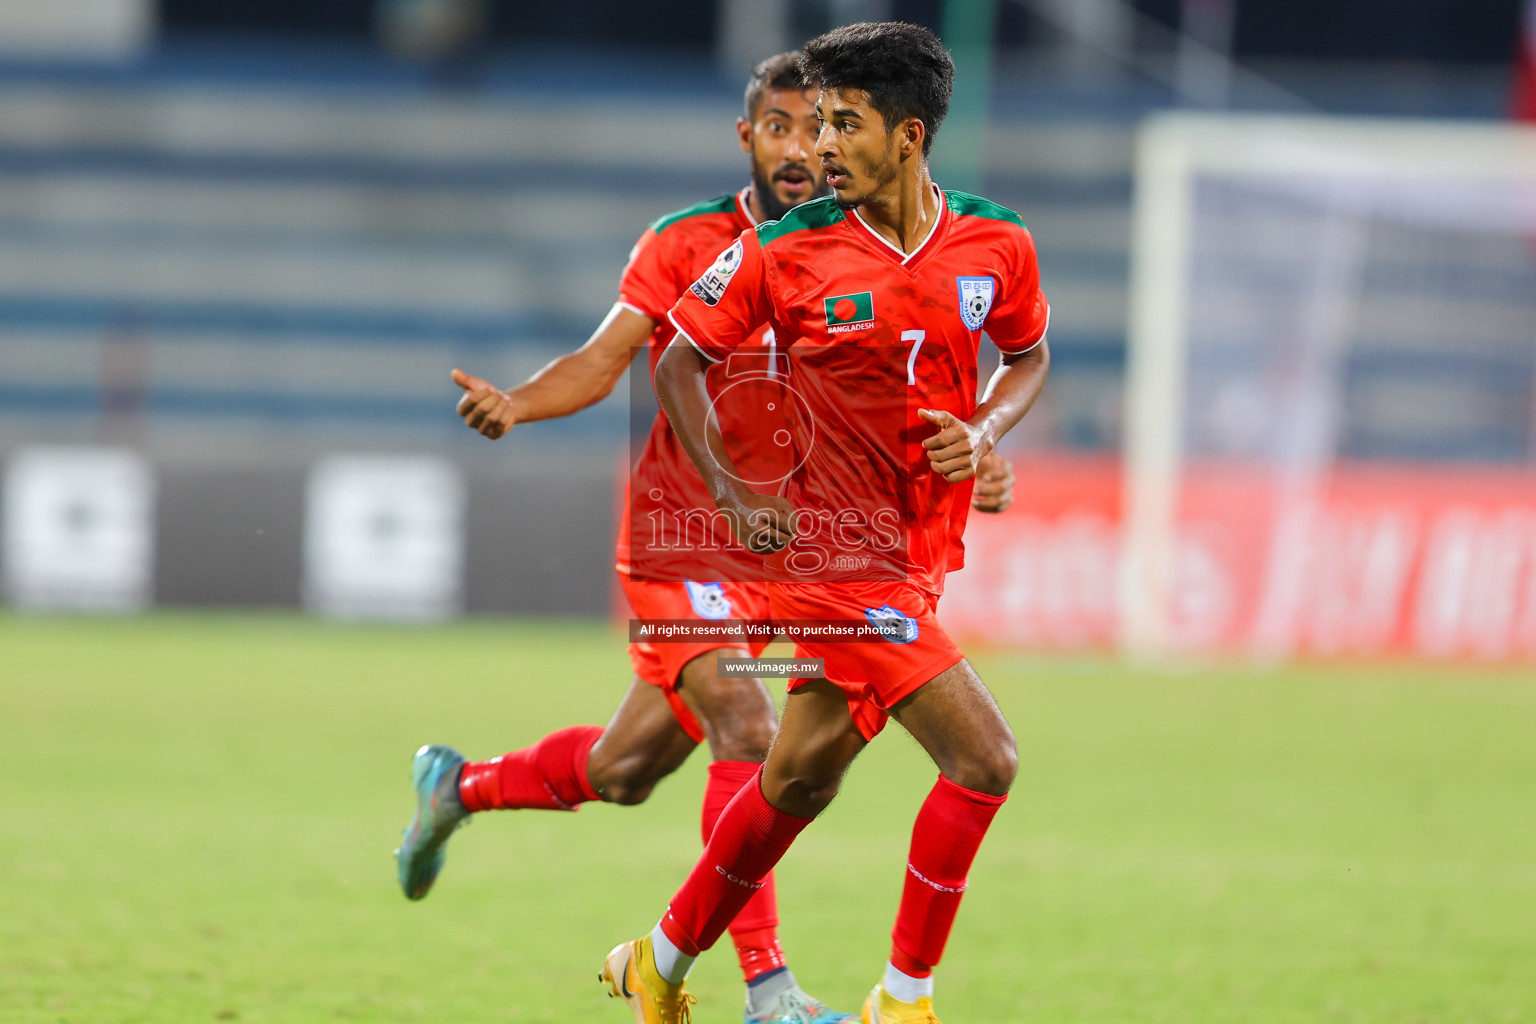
(755, 931)
(945, 838)
(747, 842)
(551, 775)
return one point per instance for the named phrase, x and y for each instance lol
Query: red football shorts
(662, 664)
(875, 675)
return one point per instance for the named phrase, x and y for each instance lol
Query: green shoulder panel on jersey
(818, 213)
(967, 205)
(722, 204)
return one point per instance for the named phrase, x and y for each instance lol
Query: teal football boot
(435, 776)
(796, 1007)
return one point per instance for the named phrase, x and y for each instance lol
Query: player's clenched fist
(994, 484)
(956, 451)
(764, 523)
(484, 407)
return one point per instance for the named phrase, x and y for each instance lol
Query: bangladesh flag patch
(846, 312)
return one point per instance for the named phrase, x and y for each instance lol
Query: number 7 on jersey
(916, 338)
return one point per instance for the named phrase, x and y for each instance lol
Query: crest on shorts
(711, 286)
(708, 599)
(975, 300)
(892, 624)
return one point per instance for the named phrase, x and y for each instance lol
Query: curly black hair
(781, 71)
(903, 68)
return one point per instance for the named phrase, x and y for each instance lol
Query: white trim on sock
(671, 963)
(906, 988)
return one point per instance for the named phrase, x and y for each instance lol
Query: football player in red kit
(878, 295)
(678, 698)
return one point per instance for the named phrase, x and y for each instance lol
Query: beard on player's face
(865, 174)
(765, 183)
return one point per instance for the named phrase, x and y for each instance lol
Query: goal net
(1330, 434)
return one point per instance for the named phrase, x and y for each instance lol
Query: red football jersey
(872, 336)
(668, 530)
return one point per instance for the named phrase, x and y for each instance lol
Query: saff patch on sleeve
(711, 286)
(975, 300)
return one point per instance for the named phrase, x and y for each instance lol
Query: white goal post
(1295, 281)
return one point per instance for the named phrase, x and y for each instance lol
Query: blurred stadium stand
(235, 266)
(224, 261)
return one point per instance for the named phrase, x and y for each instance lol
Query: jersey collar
(745, 208)
(906, 259)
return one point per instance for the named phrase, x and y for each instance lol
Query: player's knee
(623, 794)
(738, 715)
(743, 737)
(991, 770)
(820, 795)
(802, 792)
(628, 781)
(1005, 767)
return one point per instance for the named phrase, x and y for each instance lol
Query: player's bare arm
(955, 452)
(566, 386)
(764, 523)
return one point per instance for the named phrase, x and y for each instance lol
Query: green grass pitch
(197, 814)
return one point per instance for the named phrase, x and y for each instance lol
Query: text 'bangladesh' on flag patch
(851, 310)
